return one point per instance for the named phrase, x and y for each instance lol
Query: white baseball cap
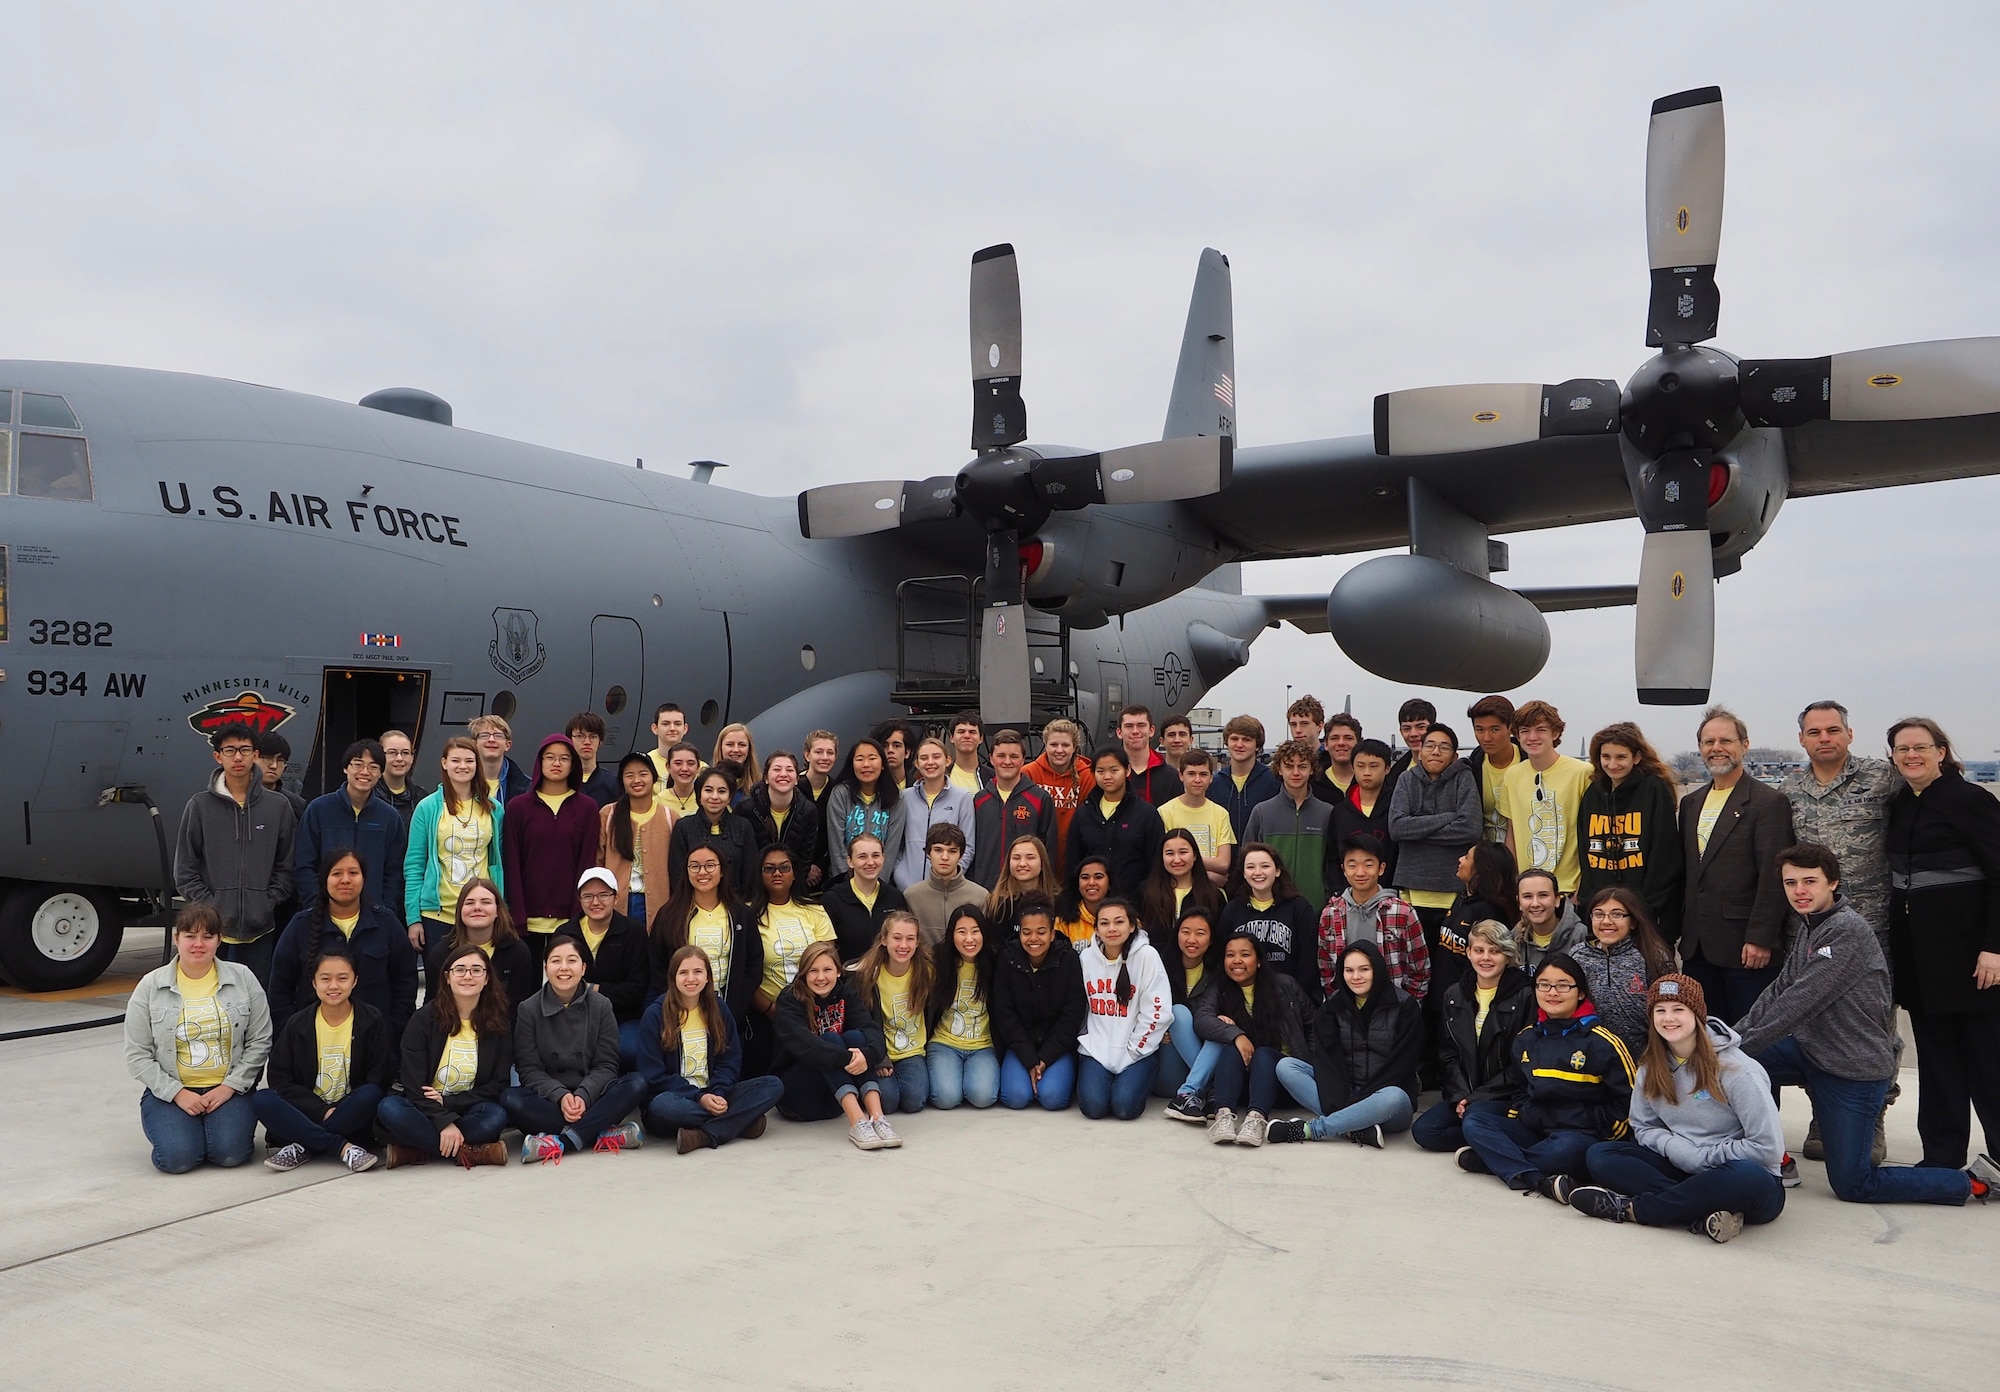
(598, 872)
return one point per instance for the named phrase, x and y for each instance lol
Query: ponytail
(1124, 987)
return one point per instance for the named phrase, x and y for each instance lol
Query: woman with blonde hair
(454, 838)
(1028, 871)
(734, 745)
(1483, 1011)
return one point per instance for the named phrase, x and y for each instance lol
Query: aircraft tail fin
(1204, 399)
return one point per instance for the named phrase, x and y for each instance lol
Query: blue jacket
(662, 1071)
(384, 962)
(420, 861)
(1261, 785)
(376, 833)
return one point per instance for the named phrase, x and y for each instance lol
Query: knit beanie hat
(1675, 987)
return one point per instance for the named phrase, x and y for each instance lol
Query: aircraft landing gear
(58, 937)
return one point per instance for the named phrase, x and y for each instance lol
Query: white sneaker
(287, 1159)
(1222, 1127)
(862, 1133)
(886, 1134)
(356, 1159)
(1251, 1132)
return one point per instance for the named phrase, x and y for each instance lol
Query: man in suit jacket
(1732, 934)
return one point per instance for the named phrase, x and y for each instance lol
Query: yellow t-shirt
(635, 879)
(1484, 995)
(1493, 821)
(345, 925)
(902, 1027)
(545, 925)
(1194, 976)
(965, 1024)
(866, 897)
(694, 1051)
(683, 806)
(1180, 900)
(1249, 999)
(787, 930)
(1711, 810)
(1430, 898)
(458, 1065)
(1261, 905)
(487, 948)
(1081, 929)
(967, 779)
(1208, 823)
(593, 938)
(464, 841)
(554, 804)
(202, 1038)
(336, 1054)
(712, 932)
(1542, 807)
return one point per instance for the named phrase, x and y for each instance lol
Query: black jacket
(1449, 963)
(854, 924)
(1572, 1075)
(1157, 785)
(800, 834)
(1476, 1063)
(1129, 841)
(384, 963)
(619, 967)
(404, 802)
(1038, 1012)
(602, 786)
(803, 1041)
(513, 962)
(1630, 839)
(1944, 866)
(1346, 821)
(737, 844)
(294, 1065)
(423, 1046)
(1359, 1049)
(1282, 1027)
(999, 821)
(1734, 894)
(1289, 930)
(746, 961)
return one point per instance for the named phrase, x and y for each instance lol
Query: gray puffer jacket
(561, 1049)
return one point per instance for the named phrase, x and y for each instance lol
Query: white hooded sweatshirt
(1115, 1035)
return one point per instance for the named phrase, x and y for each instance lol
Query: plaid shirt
(1401, 940)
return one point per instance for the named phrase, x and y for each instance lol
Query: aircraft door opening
(617, 679)
(1111, 678)
(360, 703)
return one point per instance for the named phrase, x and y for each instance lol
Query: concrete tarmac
(995, 1250)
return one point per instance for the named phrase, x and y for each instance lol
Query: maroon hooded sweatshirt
(545, 853)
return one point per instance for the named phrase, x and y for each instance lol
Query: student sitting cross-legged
(1360, 1069)
(1255, 1017)
(1188, 1061)
(573, 1095)
(691, 1058)
(1038, 1010)
(1482, 1013)
(1706, 1144)
(895, 979)
(457, 1053)
(961, 1061)
(829, 1046)
(330, 1068)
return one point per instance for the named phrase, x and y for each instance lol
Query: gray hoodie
(1569, 932)
(237, 858)
(1700, 1132)
(1433, 821)
(1831, 993)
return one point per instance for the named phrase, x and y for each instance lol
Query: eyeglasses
(1902, 749)
(467, 973)
(598, 896)
(237, 751)
(780, 868)
(1555, 988)
(1609, 915)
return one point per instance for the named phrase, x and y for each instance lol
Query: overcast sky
(741, 233)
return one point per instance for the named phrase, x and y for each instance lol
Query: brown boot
(400, 1155)
(754, 1129)
(492, 1153)
(691, 1139)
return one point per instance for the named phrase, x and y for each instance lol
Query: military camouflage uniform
(1850, 817)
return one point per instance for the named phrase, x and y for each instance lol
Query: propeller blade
(1674, 648)
(1905, 381)
(1160, 471)
(999, 417)
(856, 509)
(1684, 179)
(1004, 697)
(1451, 420)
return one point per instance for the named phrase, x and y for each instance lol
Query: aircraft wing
(1845, 456)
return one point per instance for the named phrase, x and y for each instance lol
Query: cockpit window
(40, 408)
(6, 461)
(54, 466)
(6, 405)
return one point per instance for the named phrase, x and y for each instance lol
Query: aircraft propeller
(1011, 490)
(1688, 402)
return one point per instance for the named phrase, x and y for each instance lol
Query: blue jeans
(254, 955)
(224, 1137)
(1440, 1127)
(1101, 1093)
(1521, 1154)
(1846, 1112)
(531, 1112)
(352, 1119)
(971, 1076)
(1389, 1108)
(1665, 1196)
(628, 1046)
(908, 1088)
(1197, 1054)
(748, 1100)
(1058, 1083)
(402, 1122)
(1227, 1087)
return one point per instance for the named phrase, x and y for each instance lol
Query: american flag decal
(1225, 391)
(381, 640)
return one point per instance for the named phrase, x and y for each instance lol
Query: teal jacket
(420, 860)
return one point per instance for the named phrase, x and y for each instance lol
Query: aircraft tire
(58, 937)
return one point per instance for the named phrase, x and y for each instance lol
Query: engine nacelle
(1418, 620)
(1742, 510)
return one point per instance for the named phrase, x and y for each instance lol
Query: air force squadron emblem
(516, 649)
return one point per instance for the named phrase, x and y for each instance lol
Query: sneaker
(1814, 1148)
(401, 1155)
(618, 1138)
(1370, 1136)
(286, 1160)
(862, 1133)
(1985, 1175)
(1719, 1226)
(1187, 1106)
(1788, 1172)
(492, 1153)
(1285, 1131)
(1558, 1187)
(692, 1138)
(1222, 1128)
(754, 1129)
(1252, 1131)
(886, 1134)
(1599, 1202)
(1469, 1161)
(538, 1146)
(356, 1159)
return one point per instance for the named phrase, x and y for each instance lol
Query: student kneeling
(457, 1052)
(1707, 1162)
(691, 1057)
(1038, 1010)
(1125, 983)
(829, 1047)
(572, 1096)
(330, 1068)
(1367, 1040)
